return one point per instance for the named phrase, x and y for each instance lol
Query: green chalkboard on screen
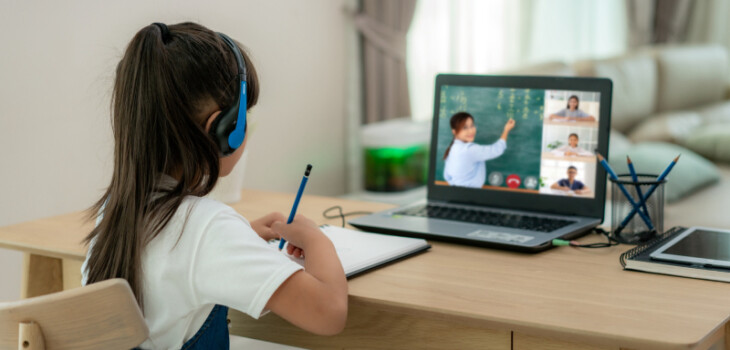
(492, 108)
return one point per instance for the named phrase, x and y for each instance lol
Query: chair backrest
(103, 315)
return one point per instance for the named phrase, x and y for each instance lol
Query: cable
(341, 214)
(612, 241)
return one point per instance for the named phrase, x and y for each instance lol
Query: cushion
(618, 144)
(691, 172)
(634, 86)
(706, 208)
(711, 141)
(690, 76)
(666, 127)
(716, 113)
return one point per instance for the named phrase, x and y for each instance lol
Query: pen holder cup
(636, 230)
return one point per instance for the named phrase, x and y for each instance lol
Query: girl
(572, 149)
(465, 160)
(187, 258)
(572, 113)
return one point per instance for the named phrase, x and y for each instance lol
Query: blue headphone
(229, 128)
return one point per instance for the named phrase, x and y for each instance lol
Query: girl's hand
(314, 299)
(294, 251)
(509, 125)
(262, 225)
(299, 234)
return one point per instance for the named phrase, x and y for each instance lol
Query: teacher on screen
(465, 160)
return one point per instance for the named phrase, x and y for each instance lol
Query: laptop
(513, 189)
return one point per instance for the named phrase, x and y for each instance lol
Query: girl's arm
(584, 117)
(314, 299)
(262, 225)
(559, 115)
(582, 152)
(560, 151)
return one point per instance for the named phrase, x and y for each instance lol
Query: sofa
(669, 100)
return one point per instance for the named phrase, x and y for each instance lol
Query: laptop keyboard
(523, 222)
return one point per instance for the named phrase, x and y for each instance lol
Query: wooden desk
(458, 297)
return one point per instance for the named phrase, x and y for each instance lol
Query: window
(481, 37)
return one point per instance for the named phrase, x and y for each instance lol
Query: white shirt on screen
(466, 164)
(567, 148)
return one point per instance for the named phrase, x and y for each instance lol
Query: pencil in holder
(635, 229)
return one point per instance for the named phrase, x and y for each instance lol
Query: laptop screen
(532, 141)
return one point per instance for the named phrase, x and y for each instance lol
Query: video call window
(526, 140)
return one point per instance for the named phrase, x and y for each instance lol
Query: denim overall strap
(213, 334)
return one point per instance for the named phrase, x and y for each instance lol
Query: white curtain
(709, 22)
(479, 37)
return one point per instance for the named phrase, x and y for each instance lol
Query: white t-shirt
(568, 148)
(218, 259)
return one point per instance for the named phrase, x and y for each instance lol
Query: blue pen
(648, 193)
(638, 186)
(626, 193)
(296, 201)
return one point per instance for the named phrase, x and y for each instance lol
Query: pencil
(636, 184)
(631, 200)
(296, 201)
(648, 193)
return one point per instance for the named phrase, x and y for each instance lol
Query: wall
(55, 81)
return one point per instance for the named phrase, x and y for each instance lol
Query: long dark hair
(160, 93)
(577, 102)
(457, 122)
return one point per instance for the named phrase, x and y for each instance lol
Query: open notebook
(361, 251)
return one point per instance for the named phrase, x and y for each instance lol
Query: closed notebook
(361, 251)
(639, 259)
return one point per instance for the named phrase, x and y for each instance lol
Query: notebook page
(358, 250)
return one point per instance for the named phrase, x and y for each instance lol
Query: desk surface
(564, 292)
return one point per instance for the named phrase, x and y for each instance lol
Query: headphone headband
(237, 53)
(229, 128)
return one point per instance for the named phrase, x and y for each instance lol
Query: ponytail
(446, 154)
(163, 83)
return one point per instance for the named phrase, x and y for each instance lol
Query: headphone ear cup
(221, 128)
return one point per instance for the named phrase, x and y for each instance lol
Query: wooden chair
(102, 315)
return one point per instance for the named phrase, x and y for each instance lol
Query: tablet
(697, 246)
